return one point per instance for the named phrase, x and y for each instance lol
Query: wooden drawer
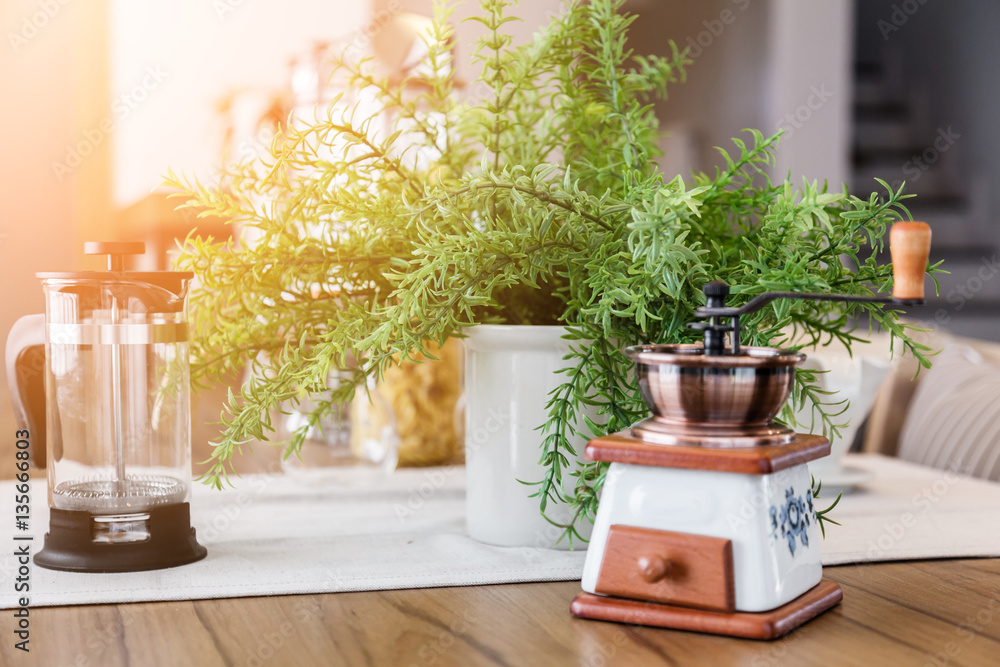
(665, 566)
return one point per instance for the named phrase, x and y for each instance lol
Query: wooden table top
(912, 613)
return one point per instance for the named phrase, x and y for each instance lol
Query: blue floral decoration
(791, 520)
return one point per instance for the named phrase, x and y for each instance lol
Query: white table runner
(911, 512)
(274, 535)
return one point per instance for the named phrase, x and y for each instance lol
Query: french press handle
(24, 357)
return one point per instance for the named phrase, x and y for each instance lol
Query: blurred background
(99, 97)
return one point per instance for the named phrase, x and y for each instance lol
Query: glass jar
(426, 395)
(352, 442)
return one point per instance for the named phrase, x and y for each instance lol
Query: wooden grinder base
(751, 625)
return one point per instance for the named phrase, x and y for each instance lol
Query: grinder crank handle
(910, 247)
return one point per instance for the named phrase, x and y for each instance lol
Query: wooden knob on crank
(653, 568)
(910, 246)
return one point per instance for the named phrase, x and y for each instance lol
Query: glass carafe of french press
(117, 415)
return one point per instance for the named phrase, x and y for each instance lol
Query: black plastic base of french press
(69, 544)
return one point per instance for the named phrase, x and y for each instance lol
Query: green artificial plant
(529, 197)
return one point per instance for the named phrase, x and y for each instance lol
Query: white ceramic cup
(856, 379)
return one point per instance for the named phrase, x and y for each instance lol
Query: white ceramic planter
(509, 372)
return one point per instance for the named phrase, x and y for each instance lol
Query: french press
(115, 395)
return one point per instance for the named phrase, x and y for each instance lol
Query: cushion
(953, 421)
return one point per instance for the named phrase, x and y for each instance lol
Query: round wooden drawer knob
(653, 568)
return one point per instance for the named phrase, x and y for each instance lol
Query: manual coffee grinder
(110, 406)
(706, 520)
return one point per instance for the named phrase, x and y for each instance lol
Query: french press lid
(173, 281)
(159, 291)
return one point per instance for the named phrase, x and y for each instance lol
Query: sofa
(946, 417)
